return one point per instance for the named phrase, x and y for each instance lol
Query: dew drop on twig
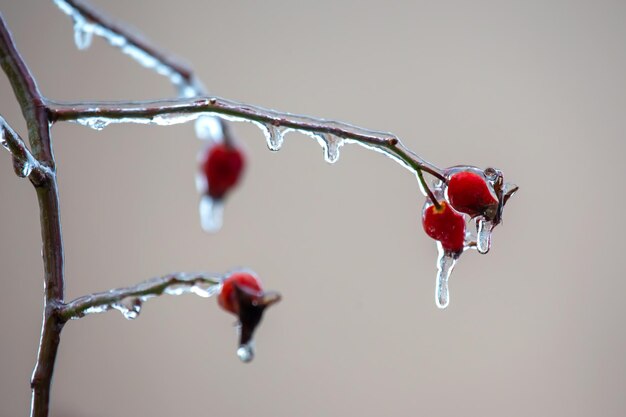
(3, 140)
(22, 168)
(245, 352)
(130, 307)
(83, 34)
(445, 265)
(96, 123)
(211, 214)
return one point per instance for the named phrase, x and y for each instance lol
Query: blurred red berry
(445, 225)
(222, 168)
(469, 193)
(228, 297)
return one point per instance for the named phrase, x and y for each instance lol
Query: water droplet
(331, 145)
(3, 140)
(83, 34)
(209, 128)
(211, 214)
(274, 135)
(245, 352)
(130, 307)
(445, 265)
(22, 168)
(483, 235)
(96, 123)
(205, 289)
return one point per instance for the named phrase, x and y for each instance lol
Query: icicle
(130, 307)
(83, 34)
(22, 168)
(445, 265)
(331, 145)
(483, 235)
(211, 214)
(274, 135)
(209, 128)
(245, 352)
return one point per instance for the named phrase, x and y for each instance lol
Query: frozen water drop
(130, 307)
(209, 128)
(274, 135)
(445, 265)
(211, 214)
(3, 140)
(483, 235)
(22, 168)
(96, 123)
(205, 290)
(83, 34)
(331, 145)
(245, 352)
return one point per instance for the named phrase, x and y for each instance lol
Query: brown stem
(168, 112)
(202, 284)
(36, 114)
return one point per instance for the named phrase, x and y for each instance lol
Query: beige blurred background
(535, 328)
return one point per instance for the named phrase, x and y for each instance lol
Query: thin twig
(134, 45)
(147, 54)
(129, 299)
(36, 114)
(169, 112)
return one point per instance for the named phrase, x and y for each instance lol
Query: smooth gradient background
(535, 328)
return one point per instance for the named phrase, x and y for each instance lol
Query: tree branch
(90, 20)
(129, 300)
(168, 112)
(37, 119)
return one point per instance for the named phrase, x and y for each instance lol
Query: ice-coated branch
(36, 115)
(129, 300)
(88, 22)
(24, 163)
(331, 134)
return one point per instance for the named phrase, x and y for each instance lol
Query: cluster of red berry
(468, 193)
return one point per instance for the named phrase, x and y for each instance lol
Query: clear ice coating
(445, 265)
(3, 140)
(209, 128)
(245, 352)
(83, 33)
(274, 135)
(211, 214)
(22, 168)
(96, 123)
(130, 307)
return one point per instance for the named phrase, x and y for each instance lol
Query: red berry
(222, 168)
(445, 225)
(228, 299)
(468, 193)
